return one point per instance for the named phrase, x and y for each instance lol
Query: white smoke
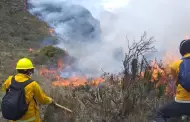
(167, 20)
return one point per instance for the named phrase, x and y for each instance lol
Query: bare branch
(138, 49)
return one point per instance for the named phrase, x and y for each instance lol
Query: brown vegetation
(130, 97)
(127, 97)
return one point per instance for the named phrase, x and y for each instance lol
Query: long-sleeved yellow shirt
(31, 90)
(181, 94)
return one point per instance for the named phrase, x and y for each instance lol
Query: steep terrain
(116, 100)
(19, 31)
(72, 23)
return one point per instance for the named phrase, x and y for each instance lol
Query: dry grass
(120, 98)
(18, 31)
(106, 103)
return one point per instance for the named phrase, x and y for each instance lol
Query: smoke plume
(97, 34)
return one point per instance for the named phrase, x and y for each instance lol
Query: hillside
(111, 98)
(19, 31)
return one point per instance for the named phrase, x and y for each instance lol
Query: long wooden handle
(62, 107)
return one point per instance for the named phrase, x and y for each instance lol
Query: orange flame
(71, 81)
(160, 74)
(186, 37)
(30, 50)
(51, 30)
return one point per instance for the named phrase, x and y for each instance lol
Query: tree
(136, 52)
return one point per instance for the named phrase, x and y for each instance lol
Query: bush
(52, 52)
(48, 55)
(129, 97)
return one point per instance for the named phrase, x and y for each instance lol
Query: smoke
(108, 24)
(166, 20)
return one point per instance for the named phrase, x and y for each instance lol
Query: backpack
(14, 104)
(184, 74)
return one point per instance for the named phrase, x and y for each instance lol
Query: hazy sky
(167, 20)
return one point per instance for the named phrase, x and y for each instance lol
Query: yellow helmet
(24, 63)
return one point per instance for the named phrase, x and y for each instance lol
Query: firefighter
(181, 104)
(33, 92)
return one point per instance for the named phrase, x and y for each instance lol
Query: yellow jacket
(181, 94)
(31, 90)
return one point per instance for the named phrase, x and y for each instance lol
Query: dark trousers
(172, 110)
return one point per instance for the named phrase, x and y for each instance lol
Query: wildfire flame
(160, 74)
(70, 81)
(30, 50)
(186, 37)
(51, 31)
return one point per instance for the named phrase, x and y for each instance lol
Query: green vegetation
(122, 100)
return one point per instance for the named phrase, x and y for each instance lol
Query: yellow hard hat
(24, 63)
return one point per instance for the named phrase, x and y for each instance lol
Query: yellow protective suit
(181, 94)
(31, 90)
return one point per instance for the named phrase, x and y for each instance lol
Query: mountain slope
(19, 30)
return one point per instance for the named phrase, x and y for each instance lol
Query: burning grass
(133, 96)
(109, 101)
(71, 78)
(105, 103)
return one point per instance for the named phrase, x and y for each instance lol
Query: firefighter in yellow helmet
(33, 94)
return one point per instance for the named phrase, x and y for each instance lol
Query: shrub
(49, 55)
